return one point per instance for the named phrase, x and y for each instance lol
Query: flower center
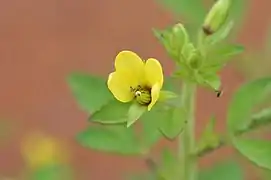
(142, 95)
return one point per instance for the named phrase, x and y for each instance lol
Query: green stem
(187, 138)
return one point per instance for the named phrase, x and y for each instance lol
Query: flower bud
(216, 16)
(195, 60)
(179, 38)
(173, 39)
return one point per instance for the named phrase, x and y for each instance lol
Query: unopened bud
(179, 37)
(195, 59)
(173, 39)
(216, 17)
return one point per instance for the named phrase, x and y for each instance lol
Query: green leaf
(164, 37)
(209, 139)
(244, 100)
(172, 121)
(187, 8)
(165, 95)
(221, 34)
(222, 54)
(174, 39)
(111, 113)
(187, 51)
(136, 110)
(257, 151)
(169, 167)
(90, 91)
(228, 170)
(210, 80)
(150, 128)
(260, 119)
(172, 84)
(110, 138)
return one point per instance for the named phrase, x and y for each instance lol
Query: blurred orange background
(41, 42)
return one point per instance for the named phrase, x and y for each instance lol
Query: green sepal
(135, 112)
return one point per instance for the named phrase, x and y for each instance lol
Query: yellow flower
(136, 79)
(39, 150)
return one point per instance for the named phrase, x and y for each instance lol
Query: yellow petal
(130, 62)
(154, 72)
(155, 91)
(119, 84)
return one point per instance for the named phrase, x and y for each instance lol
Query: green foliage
(221, 34)
(111, 113)
(209, 139)
(220, 55)
(90, 91)
(262, 118)
(136, 110)
(244, 100)
(228, 170)
(169, 166)
(174, 39)
(187, 9)
(257, 151)
(168, 119)
(166, 95)
(150, 129)
(171, 88)
(208, 79)
(110, 138)
(196, 63)
(115, 112)
(172, 121)
(199, 64)
(242, 118)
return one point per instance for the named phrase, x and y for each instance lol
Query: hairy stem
(187, 138)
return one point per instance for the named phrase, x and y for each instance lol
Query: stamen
(132, 89)
(137, 93)
(141, 94)
(143, 97)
